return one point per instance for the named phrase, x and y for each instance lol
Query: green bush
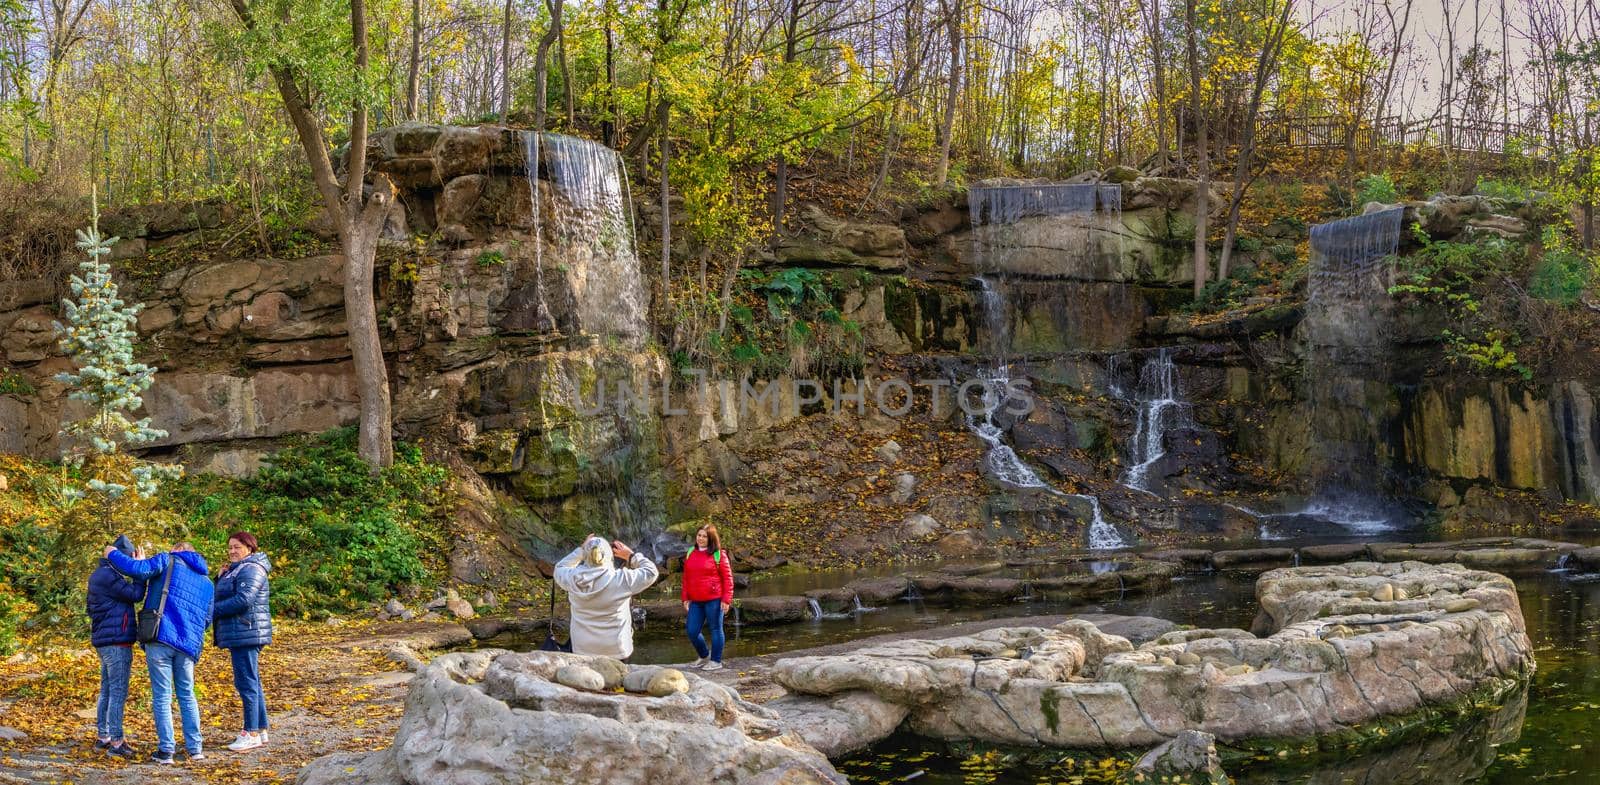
(1375, 188)
(1503, 189)
(1563, 272)
(339, 536)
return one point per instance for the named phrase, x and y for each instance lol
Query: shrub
(340, 536)
(1502, 189)
(1375, 188)
(1563, 272)
(14, 609)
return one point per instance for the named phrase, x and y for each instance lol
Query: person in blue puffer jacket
(243, 627)
(171, 658)
(111, 618)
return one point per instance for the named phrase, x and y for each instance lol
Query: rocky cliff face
(503, 340)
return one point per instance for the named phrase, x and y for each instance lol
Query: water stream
(992, 210)
(1160, 410)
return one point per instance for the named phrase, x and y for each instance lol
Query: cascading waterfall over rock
(1348, 329)
(1160, 410)
(589, 215)
(1347, 264)
(583, 213)
(993, 210)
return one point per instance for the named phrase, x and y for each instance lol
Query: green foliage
(98, 336)
(1375, 188)
(13, 383)
(1227, 294)
(491, 259)
(339, 536)
(1487, 353)
(14, 610)
(1452, 276)
(1503, 189)
(1564, 271)
(784, 321)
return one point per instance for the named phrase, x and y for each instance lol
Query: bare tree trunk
(1202, 187)
(1265, 66)
(952, 11)
(1157, 45)
(566, 69)
(416, 56)
(780, 184)
(608, 126)
(664, 112)
(541, 61)
(505, 66)
(364, 218)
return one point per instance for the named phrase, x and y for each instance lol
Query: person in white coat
(600, 594)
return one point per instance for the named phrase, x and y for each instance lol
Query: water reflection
(1546, 733)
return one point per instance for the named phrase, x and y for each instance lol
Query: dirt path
(328, 689)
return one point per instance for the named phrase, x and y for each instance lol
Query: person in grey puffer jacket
(243, 625)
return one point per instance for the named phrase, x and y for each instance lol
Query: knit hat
(124, 544)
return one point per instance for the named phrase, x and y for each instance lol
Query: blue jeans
(116, 664)
(172, 670)
(247, 680)
(701, 614)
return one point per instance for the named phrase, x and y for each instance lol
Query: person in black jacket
(243, 625)
(114, 625)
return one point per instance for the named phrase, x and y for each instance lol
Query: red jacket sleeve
(726, 567)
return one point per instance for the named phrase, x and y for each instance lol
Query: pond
(1552, 734)
(1549, 734)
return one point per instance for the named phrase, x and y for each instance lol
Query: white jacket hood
(602, 614)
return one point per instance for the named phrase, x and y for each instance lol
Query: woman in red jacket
(707, 594)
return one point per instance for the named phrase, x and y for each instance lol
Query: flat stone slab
(1344, 645)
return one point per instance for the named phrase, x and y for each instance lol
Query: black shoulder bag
(551, 643)
(150, 620)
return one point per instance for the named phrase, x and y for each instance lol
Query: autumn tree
(320, 65)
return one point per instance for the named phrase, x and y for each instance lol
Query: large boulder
(474, 718)
(1349, 645)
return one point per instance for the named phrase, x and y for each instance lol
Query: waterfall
(1159, 411)
(816, 608)
(1003, 204)
(991, 210)
(856, 607)
(541, 313)
(591, 220)
(1102, 535)
(1350, 370)
(1346, 252)
(912, 595)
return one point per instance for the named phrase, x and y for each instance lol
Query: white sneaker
(700, 663)
(713, 666)
(246, 741)
(263, 736)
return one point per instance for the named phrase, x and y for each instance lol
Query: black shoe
(194, 756)
(161, 757)
(100, 744)
(122, 750)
